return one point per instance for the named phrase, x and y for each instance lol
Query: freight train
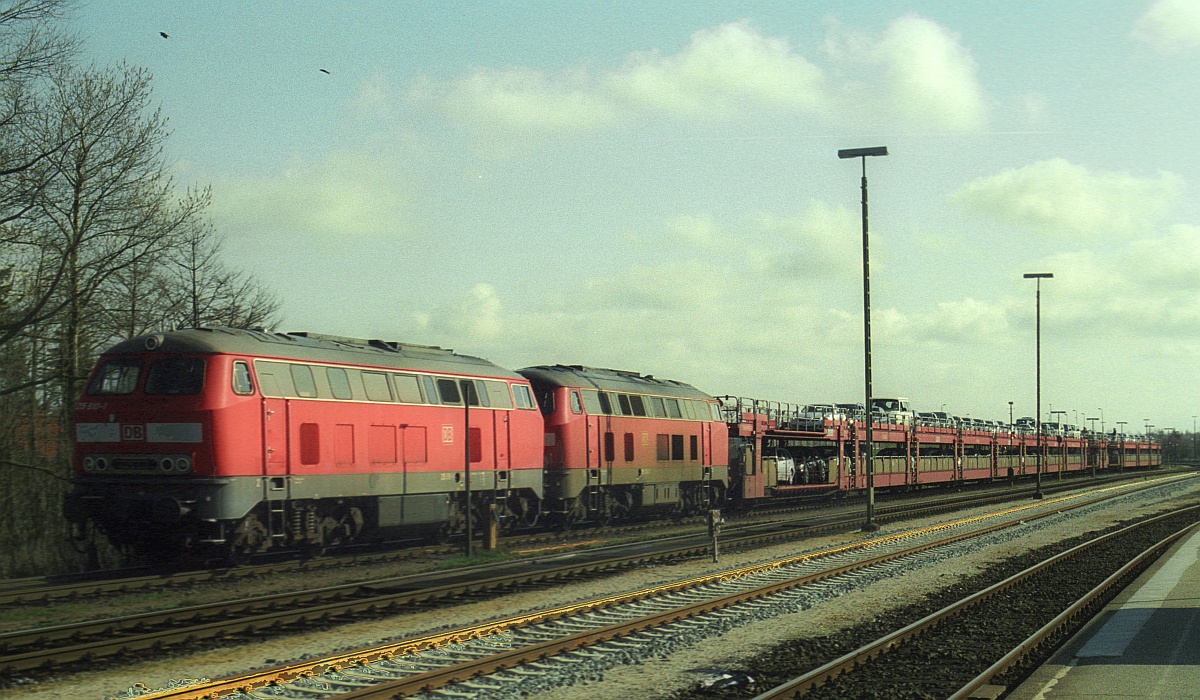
(234, 441)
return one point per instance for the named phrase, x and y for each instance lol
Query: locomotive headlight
(166, 464)
(101, 464)
(89, 464)
(183, 465)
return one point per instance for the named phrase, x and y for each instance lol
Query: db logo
(133, 432)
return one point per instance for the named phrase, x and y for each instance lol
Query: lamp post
(466, 399)
(1193, 438)
(1093, 441)
(1010, 416)
(1101, 410)
(863, 154)
(1039, 276)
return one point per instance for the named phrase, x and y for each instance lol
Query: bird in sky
(324, 71)
(164, 35)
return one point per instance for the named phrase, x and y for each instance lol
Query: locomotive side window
(695, 447)
(605, 404)
(689, 410)
(339, 383)
(376, 384)
(623, 401)
(241, 378)
(628, 447)
(673, 409)
(176, 376)
(576, 407)
(430, 390)
(116, 377)
(522, 396)
(639, 408)
(497, 394)
(663, 445)
(656, 407)
(408, 389)
(471, 389)
(448, 389)
(591, 402)
(302, 379)
(677, 448)
(273, 378)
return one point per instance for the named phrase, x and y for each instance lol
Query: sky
(655, 187)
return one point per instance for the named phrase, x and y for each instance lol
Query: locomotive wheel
(333, 533)
(525, 510)
(250, 537)
(622, 505)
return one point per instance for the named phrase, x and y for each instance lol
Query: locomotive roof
(312, 347)
(611, 380)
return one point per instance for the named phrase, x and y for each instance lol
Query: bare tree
(190, 285)
(109, 205)
(32, 48)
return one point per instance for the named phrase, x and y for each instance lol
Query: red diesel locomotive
(246, 440)
(619, 443)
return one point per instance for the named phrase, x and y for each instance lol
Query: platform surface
(1145, 644)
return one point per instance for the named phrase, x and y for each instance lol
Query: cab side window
(242, 384)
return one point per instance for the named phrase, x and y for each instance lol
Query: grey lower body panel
(570, 483)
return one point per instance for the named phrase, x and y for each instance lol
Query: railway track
(531, 649)
(37, 650)
(43, 590)
(1006, 629)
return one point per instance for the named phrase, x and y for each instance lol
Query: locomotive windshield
(176, 376)
(116, 377)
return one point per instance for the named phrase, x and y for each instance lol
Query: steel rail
(852, 660)
(291, 673)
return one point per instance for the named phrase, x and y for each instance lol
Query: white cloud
(698, 230)
(524, 99)
(373, 99)
(932, 76)
(719, 69)
(346, 194)
(1058, 197)
(727, 71)
(709, 313)
(823, 243)
(967, 322)
(1145, 290)
(1170, 26)
(473, 317)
